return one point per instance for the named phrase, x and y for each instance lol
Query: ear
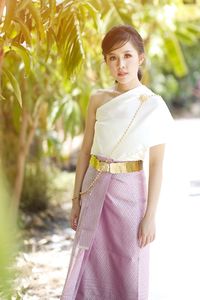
(141, 58)
(105, 59)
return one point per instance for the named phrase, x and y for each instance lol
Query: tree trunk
(25, 139)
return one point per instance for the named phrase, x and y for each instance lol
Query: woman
(113, 211)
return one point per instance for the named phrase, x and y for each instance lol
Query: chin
(124, 80)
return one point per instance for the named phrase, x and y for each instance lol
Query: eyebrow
(111, 53)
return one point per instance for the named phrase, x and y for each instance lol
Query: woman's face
(124, 63)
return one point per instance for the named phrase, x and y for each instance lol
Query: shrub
(36, 188)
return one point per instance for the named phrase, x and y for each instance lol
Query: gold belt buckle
(103, 166)
(115, 167)
(112, 167)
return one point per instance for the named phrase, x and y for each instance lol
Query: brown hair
(119, 35)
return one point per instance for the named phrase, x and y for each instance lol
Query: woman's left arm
(147, 230)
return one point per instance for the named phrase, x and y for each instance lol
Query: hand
(74, 216)
(146, 231)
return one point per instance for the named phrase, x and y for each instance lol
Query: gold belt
(115, 167)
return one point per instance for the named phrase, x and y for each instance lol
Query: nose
(121, 63)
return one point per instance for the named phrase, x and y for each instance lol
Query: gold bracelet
(76, 197)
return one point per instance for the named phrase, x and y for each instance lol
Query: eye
(127, 55)
(112, 58)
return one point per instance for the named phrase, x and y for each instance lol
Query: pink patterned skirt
(106, 261)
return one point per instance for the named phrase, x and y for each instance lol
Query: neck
(120, 87)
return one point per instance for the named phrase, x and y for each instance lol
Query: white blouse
(152, 125)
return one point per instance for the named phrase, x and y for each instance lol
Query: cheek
(133, 64)
(112, 66)
(134, 60)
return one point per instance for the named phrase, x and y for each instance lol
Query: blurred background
(50, 63)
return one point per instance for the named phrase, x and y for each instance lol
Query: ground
(174, 264)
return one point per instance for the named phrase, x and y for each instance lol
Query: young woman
(113, 211)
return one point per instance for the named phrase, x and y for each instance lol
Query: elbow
(85, 151)
(156, 165)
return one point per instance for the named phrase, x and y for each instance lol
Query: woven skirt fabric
(106, 261)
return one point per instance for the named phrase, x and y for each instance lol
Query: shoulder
(100, 96)
(153, 98)
(159, 109)
(96, 96)
(102, 92)
(155, 103)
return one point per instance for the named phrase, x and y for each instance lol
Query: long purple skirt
(106, 261)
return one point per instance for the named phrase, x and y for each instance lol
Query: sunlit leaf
(24, 53)
(24, 29)
(93, 12)
(13, 30)
(36, 15)
(52, 5)
(175, 55)
(2, 97)
(51, 38)
(22, 4)
(14, 84)
(10, 12)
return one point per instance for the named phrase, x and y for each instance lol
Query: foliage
(36, 189)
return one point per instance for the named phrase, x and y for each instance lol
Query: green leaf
(52, 5)
(14, 84)
(36, 16)
(13, 30)
(93, 12)
(175, 55)
(59, 112)
(185, 38)
(2, 97)
(23, 4)
(25, 55)
(16, 115)
(10, 12)
(24, 29)
(51, 38)
(71, 43)
(194, 28)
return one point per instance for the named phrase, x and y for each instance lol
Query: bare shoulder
(101, 96)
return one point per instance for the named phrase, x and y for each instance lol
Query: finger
(74, 228)
(151, 238)
(73, 223)
(139, 233)
(141, 237)
(148, 240)
(143, 241)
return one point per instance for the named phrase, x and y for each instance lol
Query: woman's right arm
(84, 155)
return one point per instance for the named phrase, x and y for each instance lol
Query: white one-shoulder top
(152, 125)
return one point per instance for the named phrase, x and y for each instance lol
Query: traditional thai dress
(106, 261)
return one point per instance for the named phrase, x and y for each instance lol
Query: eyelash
(129, 55)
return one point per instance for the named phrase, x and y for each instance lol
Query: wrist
(76, 198)
(150, 215)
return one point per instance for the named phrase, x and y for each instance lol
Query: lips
(122, 73)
